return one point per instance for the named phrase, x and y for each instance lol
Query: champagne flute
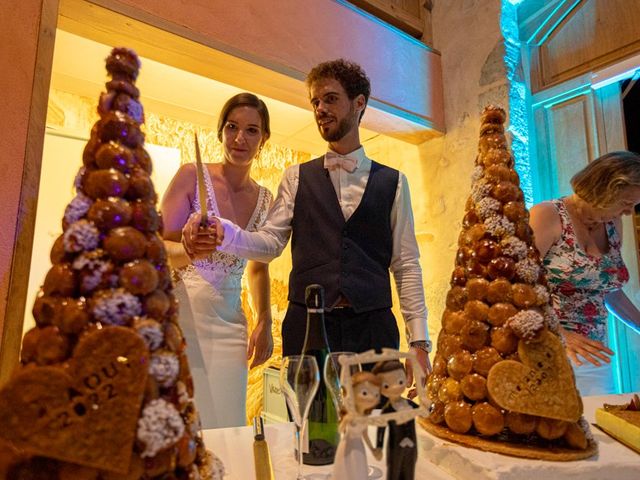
(332, 371)
(299, 380)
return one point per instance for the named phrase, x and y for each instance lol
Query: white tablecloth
(235, 447)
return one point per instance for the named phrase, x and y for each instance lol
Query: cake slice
(622, 422)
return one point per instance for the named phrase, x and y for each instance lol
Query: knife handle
(258, 428)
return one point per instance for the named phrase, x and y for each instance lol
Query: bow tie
(334, 160)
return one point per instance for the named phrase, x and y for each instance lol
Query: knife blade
(261, 457)
(202, 189)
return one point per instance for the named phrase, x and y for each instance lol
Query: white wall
(61, 160)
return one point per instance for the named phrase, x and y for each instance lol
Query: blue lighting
(551, 27)
(623, 340)
(518, 93)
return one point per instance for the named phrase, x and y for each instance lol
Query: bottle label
(315, 310)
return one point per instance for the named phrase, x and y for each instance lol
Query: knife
(262, 460)
(202, 189)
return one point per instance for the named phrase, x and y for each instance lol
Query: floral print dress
(578, 282)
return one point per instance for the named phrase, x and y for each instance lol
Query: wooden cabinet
(410, 16)
(579, 37)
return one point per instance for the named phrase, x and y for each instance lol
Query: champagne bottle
(323, 419)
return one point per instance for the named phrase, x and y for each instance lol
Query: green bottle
(323, 419)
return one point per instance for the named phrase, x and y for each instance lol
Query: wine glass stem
(299, 437)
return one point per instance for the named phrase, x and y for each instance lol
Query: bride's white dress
(215, 327)
(351, 459)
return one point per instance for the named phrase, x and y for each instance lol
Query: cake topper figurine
(351, 459)
(402, 450)
(362, 392)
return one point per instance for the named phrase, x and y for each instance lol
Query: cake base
(613, 461)
(515, 450)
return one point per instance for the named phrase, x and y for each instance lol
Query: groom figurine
(402, 451)
(350, 223)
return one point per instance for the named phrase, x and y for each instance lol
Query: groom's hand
(423, 360)
(201, 241)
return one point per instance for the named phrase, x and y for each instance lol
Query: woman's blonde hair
(601, 181)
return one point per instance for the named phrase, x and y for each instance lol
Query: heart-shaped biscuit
(543, 384)
(85, 413)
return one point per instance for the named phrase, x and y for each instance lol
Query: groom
(350, 223)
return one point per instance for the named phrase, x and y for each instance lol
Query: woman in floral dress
(579, 238)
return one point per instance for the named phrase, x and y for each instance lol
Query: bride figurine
(351, 459)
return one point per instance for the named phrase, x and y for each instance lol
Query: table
(235, 447)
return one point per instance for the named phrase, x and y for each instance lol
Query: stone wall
(467, 34)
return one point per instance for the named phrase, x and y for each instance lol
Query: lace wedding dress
(214, 325)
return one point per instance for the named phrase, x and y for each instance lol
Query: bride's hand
(260, 343)
(199, 242)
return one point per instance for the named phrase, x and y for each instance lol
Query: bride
(209, 288)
